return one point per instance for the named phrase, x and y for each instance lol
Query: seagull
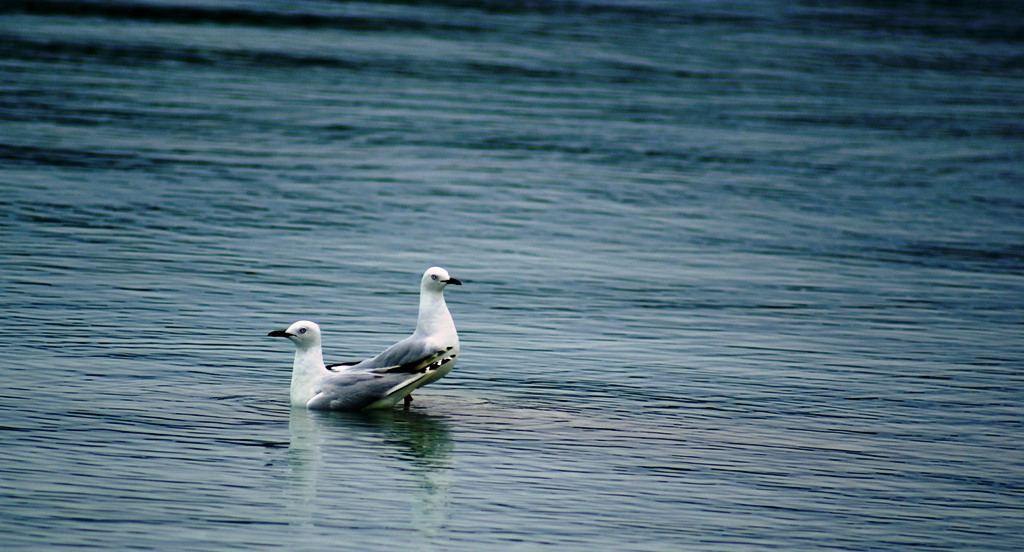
(382, 381)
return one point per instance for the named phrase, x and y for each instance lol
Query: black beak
(279, 333)
(453, 281)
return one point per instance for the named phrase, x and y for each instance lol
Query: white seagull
(382, 381)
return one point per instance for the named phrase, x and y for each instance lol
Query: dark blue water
(743, 275)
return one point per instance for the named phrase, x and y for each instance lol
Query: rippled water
(739, 275)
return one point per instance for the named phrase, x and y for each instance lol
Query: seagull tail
(423, 369)
(428, 363)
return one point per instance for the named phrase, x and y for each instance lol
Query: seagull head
(303, 334)
(436, 278)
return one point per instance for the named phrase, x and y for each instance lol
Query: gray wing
(407, 351)
(356, 389)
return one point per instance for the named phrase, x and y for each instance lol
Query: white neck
(307, 369)
(434, 318)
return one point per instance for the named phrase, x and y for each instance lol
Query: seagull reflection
(342, 460)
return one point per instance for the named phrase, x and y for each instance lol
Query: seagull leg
(408, 401)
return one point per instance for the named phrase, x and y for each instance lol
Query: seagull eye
(433, 276)
(302, 330)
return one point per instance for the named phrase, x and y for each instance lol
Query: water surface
(739, 275)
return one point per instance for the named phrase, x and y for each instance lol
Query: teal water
(739, 275)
